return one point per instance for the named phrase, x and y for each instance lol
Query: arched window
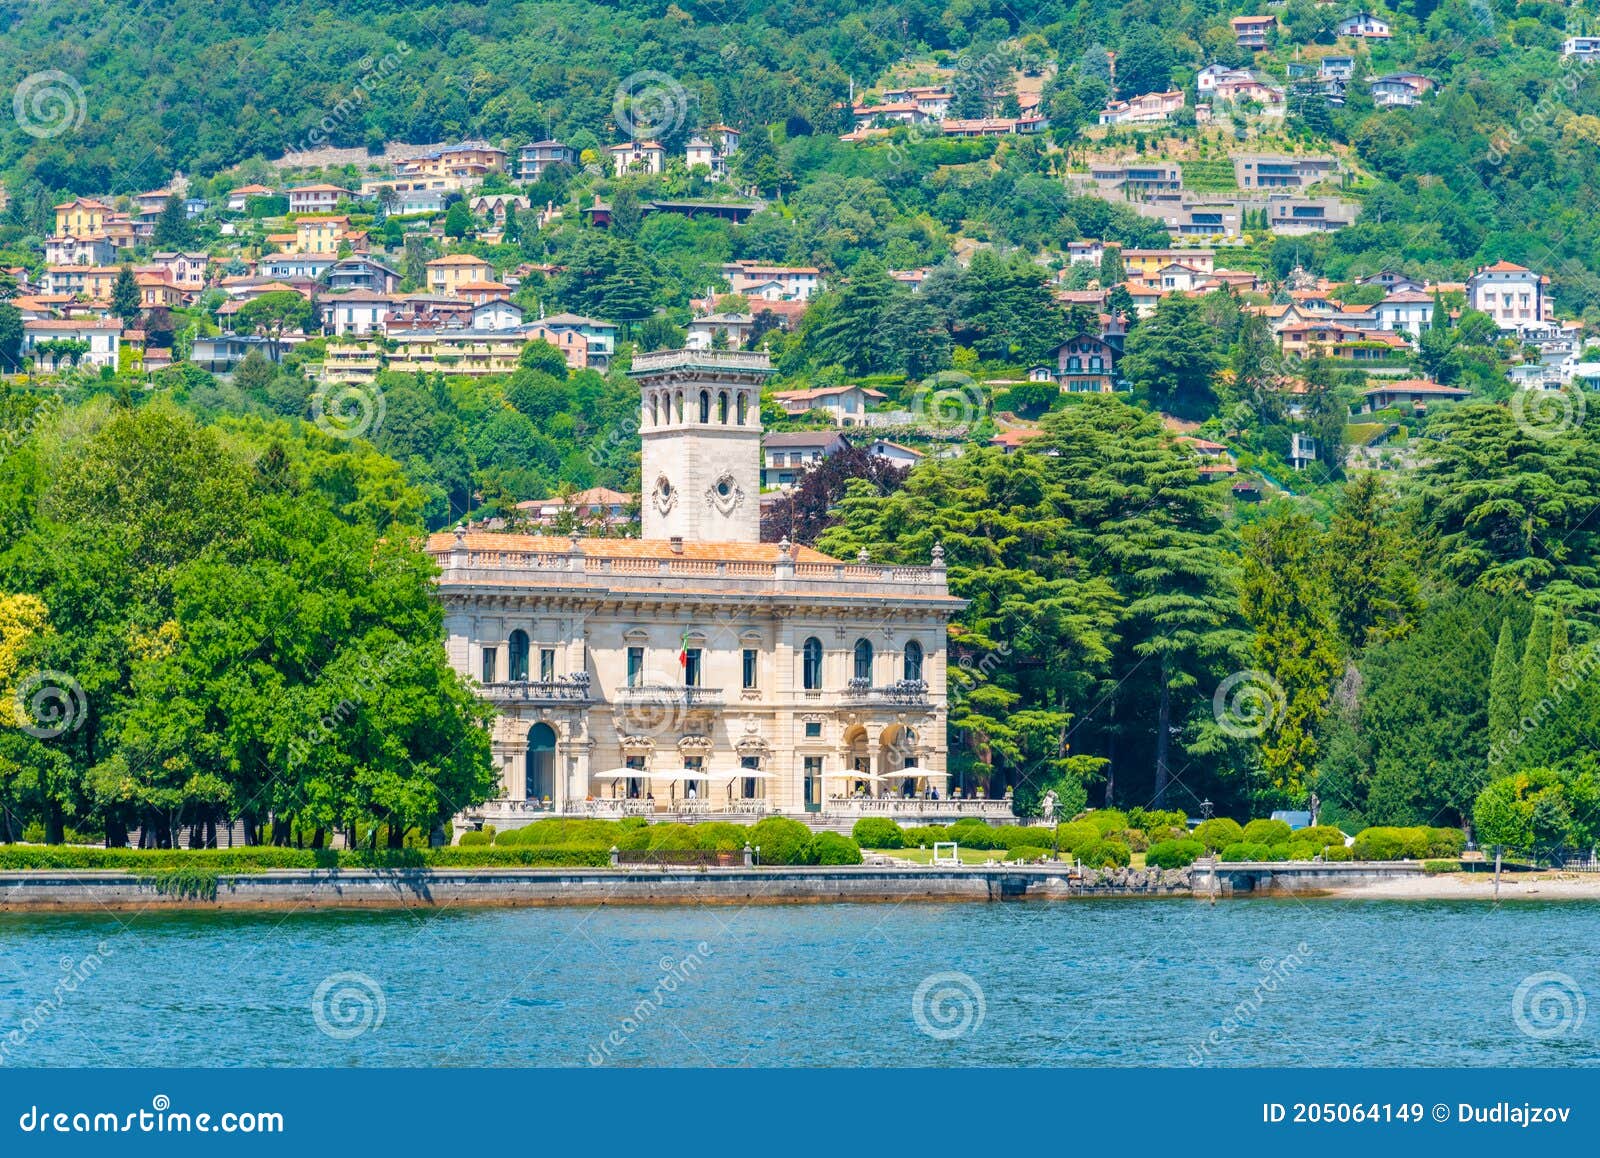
(744, 407)
(864, 659)
(678, 398)
(655, 409)
(811, 672)
(519, 654)
(541, 780)
(913, 665)
(722, 408)
(705, 406)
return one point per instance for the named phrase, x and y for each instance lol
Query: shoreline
(77, 891)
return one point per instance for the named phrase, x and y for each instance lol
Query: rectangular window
(813, 783)
(547, 664)
(813, 729)
(691, 667)
(749, 667)
(488, 665)
(635, 666)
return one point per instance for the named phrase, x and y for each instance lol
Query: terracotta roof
(73, 324)
(458, 259)
(1416, 386)
(626, 548)
(1504, 267)
(1016, 436)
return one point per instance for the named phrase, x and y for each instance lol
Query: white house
(356, 312)
(1365, 26)
(1410, 311)
(638, 157)
(317, 198)
(42, 338)
(496, 314)
(1513, 295)
(786, 456)
(895, 453)
(790, 283)
(1586, 47)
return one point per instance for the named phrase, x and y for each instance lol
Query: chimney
(676, 543)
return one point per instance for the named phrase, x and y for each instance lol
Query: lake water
(1105, 983)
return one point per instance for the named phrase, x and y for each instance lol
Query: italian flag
(683, 651)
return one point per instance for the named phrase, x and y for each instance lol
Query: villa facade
(698, 671)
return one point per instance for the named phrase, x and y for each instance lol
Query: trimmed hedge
(1218, 833)
(1106, 820)
(1419, 843)
(1106, 854)
(1027, 852)
(1268, 832)
(831, 848)
(1243, 851)
(1170, 854)
(264, 858)
(878, 832)
(1076, 836)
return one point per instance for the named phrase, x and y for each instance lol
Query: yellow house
(446, 275)
(1146, 264)
(81, 217)
(319, 234)
(471, 352)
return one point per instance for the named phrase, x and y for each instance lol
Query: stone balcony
(573, 689)
(670, 697)
(908, 693)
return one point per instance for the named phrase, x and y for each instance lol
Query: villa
(697, 671)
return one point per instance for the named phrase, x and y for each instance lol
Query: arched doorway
(541, 782)
(897, 759)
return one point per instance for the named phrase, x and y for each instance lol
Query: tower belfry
(700, 430)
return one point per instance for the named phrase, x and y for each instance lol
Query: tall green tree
(125, 299)
(173, 230)
(1505, 693)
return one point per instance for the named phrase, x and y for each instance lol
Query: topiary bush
(831, 848)
(1244, 851)
(1152, 819)
(1218, 833)
(1169, 854)
(878, 832)
(1076, 835)
(1417, 843)
(1267, 832)
(1106, 854)
(1027, 852)
(782, 841)
(1106, 820)
(926, 836)
(476, 839)
(1337, 852)
(1320, 835)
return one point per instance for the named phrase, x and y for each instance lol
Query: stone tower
(700, 426)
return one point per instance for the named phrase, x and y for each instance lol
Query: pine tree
(172, 227)
(125, 297)
(513, 227)
(1560, 645)
(1505, 695)
(1536, 662)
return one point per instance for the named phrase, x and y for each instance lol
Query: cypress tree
(1559, 647)
(1536, 662)
(125, 297)
(1505, 689)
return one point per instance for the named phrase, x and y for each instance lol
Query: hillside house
(448, 274)
(1513, 295)
(1251, 32)
(1399, 89)
(845, 405)
(1281, 171)
(1364, 26)
(317, 198)
(533, 160)
(1147, 109)
(638, 157)
(787, 456)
